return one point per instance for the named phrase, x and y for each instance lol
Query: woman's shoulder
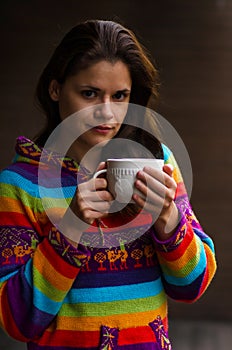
(23, 171)
(25, 162)
(19, 177)
(20, 169)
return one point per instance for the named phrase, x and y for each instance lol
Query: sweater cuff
(175, 240)
(74, 256)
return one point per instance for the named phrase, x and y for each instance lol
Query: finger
(154, 209)
(101, 207)
(168, 169)
(151, 182)
(151, 196)
(94, 203)
(160, 175)
(153, 172)
(101, 166)
(92, 185)
(155, 180)
(100, 183)
(155, 192)
(90, 198)
(89, 216)
(100, 196)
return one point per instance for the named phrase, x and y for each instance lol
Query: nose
(105, 111)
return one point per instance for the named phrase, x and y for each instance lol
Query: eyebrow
(90, 87)
(97, 89)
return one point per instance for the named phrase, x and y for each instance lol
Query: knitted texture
(56, 296)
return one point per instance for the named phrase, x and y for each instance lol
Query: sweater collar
(29, 152)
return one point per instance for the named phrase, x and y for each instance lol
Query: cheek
(120, 112)
(68, 106)
(64, 107)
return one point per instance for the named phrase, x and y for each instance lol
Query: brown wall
(191, 42)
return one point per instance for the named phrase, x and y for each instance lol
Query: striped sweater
(56, 296)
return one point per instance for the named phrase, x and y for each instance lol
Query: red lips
(102, 129)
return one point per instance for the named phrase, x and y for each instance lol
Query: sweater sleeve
(37, 265)
(187, 259)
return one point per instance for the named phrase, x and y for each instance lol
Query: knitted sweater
(56, 296)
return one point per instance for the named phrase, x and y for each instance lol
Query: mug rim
(132, 159)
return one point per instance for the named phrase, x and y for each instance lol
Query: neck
(88, 158)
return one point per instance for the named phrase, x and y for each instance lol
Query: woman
(57, 293)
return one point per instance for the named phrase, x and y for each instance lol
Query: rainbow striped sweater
(56, 296)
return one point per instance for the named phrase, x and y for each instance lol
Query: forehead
(104, 72)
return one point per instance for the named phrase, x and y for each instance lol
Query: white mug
(121, 175)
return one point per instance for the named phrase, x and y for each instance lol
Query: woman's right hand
(92, 200)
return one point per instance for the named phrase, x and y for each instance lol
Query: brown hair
(85, 44)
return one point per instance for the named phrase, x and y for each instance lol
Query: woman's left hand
(159, 188)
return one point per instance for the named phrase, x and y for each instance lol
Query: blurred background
(192, 46)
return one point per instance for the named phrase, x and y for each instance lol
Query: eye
(120, 95)
(89, 93)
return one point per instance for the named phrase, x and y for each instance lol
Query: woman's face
(99, 86)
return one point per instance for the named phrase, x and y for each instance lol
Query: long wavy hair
(86, 44)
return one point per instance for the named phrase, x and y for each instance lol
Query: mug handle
(99, 173)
